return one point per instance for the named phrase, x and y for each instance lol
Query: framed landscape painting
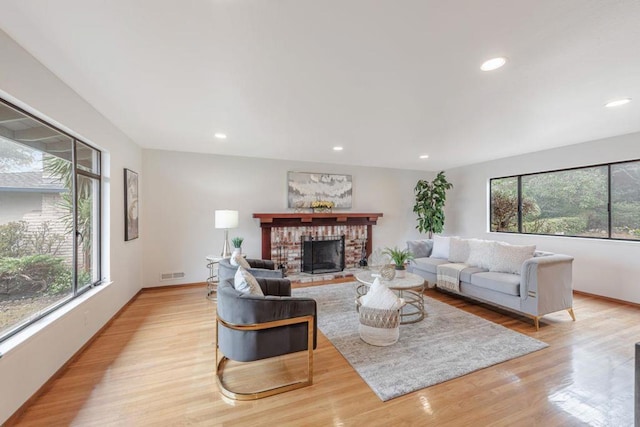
(130, 205)
(306, 187)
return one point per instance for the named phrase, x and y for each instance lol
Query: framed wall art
(130, 205)
(307, 187)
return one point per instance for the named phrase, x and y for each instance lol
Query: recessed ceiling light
(424, 156)
(220, 135)
(337, 148)
(493, 63)
(617, 102)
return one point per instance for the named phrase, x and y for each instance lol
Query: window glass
(625, 200)
(87, 231)
(504, 204)
(36, 245)
(570, 202)
(39, 217)
(88, 158)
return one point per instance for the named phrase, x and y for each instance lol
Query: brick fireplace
(282, 233)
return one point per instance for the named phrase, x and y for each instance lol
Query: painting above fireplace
(307, 187)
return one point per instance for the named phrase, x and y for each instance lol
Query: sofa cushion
(428, 264)
(420, 248)
(509, 258)
(465, 275)
(505, 283)
(458, 249)
(440, 247)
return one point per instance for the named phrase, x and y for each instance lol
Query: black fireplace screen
(322, 254)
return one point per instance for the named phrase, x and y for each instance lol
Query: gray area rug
(447, 344)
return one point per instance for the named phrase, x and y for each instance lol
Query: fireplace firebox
(322, 254)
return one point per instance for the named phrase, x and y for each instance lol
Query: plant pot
(236, 251)
(400, 272)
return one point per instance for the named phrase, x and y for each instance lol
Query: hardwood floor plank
(154, 365)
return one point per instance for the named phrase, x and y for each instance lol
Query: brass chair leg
(572, 314)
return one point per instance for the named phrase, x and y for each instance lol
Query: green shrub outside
(571, 225)
(34, 273)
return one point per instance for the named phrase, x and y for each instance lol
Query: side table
(212, 280)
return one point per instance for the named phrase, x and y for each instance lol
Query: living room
(180, 188)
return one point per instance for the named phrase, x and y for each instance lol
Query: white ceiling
(388, 80)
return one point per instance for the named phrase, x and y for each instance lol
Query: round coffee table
(410, 287)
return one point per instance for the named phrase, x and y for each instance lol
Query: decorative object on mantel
(308, 187)
(322, 206)
(226, 219)
(399, 257)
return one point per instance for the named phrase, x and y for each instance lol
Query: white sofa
(541, 285)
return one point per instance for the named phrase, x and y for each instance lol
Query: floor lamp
(226, 219)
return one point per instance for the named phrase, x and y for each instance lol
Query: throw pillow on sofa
(380, 297)
(440, 247)
(420, 248)
(458, 249)
(244, 282)
(481, 253)
(509, 258)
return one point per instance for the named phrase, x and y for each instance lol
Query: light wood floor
(154, 365)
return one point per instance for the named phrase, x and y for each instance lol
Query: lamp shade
(226, 219)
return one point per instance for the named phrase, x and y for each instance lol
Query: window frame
(519, 193)
(77, 292)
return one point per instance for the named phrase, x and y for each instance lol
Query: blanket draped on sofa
(449, 276)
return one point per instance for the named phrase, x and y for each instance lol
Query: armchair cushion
(246, 283)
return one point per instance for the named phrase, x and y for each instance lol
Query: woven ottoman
(379, 327)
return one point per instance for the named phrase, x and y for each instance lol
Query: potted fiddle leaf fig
(430, 198)
(400, 257)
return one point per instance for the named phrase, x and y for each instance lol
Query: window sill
(31, 331)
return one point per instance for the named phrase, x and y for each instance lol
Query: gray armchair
(259, 268)
(250, 328)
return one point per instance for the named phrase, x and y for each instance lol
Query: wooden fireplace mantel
(271, 220)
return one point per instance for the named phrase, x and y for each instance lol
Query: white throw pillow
(509, 258)
(458, 249)
(481, 253)
(244, 282)
(380, 297)
(440, 247)
(238, 260)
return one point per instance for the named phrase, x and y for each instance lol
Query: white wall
(601, 267)
(182, 191)
(28, 362)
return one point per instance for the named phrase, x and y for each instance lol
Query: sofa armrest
(546, 284)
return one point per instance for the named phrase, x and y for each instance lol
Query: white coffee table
(410, 287)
